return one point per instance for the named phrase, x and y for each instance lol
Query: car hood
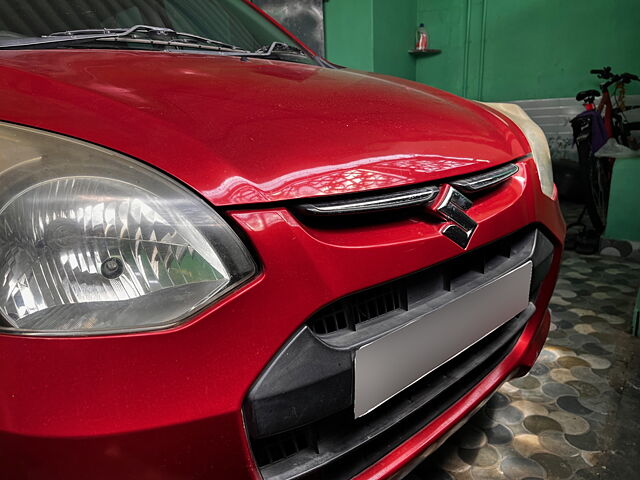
(255, 131)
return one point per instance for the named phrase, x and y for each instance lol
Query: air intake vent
(351, 313)
(362, 307)
(279, 447)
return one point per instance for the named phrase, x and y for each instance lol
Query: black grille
(273, 449)
(357, 318)
(342, 447)
(362, 307)
(318, 411)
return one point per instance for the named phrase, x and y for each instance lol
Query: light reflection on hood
(361, 175)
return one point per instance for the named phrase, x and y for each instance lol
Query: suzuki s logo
(451, 206)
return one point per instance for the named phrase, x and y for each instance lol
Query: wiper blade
(187, 44)
(156, 34)
(145, 29)
(189, 40)
(276, 47)
(270, 50)
(87, 31)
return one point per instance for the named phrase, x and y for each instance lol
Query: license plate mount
(389, 364)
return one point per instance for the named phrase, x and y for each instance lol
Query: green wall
(348, 32)
(623, 221)
(394, 25)
(452, 26)
(491, 49)
(372, 35)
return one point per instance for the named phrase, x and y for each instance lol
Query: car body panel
(255, 131)
(249, 136)
(180, 391)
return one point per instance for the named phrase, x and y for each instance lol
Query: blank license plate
(392, 363)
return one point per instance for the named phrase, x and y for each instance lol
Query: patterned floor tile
(552, 423)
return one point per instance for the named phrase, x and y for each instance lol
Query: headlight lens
(537, 142)
(94, 242)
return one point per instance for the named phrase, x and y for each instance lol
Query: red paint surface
(255, 131)
(169, 402)
(167, 405)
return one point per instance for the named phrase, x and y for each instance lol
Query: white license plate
(392, 363)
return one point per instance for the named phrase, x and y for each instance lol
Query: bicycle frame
(606, 105)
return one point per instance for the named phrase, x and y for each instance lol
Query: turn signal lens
(537, 141)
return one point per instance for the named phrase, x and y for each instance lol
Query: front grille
(367, 203)
(273, 449)
(307, 392)
(347, 314)
(360, 317)
(436, 283)
(356, 210)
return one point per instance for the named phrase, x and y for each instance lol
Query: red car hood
(254, 131)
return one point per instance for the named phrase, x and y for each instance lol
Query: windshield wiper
(149, 30)
(269, 50)
(280, 47)
(171, 38)
(150, 35)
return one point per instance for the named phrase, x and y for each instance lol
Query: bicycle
(591, 130)
(615, 121)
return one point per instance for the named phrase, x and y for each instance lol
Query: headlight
(92, 242)
(537, 142)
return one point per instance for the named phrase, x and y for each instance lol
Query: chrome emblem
(451, 206)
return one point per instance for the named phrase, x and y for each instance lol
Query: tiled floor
(577, 413)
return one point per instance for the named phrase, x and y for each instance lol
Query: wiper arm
(87, 31)
(145, 29)
(276, 47)
(269, 50)
(174, 39)
(124, 34)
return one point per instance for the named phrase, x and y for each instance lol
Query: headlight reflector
(94, 242)
(537, 141)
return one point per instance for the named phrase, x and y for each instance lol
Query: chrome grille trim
(486, 180)
(366, 203)
(372, 203)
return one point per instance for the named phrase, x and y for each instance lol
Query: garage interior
(575, 415)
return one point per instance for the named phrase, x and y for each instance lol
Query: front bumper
(408, 455)
(169, 404)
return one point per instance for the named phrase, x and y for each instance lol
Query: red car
(223, 257)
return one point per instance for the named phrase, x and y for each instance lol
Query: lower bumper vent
(272, 449)
(347, 314)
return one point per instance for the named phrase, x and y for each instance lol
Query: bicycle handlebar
(610, 79)
(602, 73)
(627, 77)
(606, 74)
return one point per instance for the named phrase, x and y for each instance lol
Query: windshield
(229, 21)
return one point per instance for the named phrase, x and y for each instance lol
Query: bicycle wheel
(596, 174)
(598, 178)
